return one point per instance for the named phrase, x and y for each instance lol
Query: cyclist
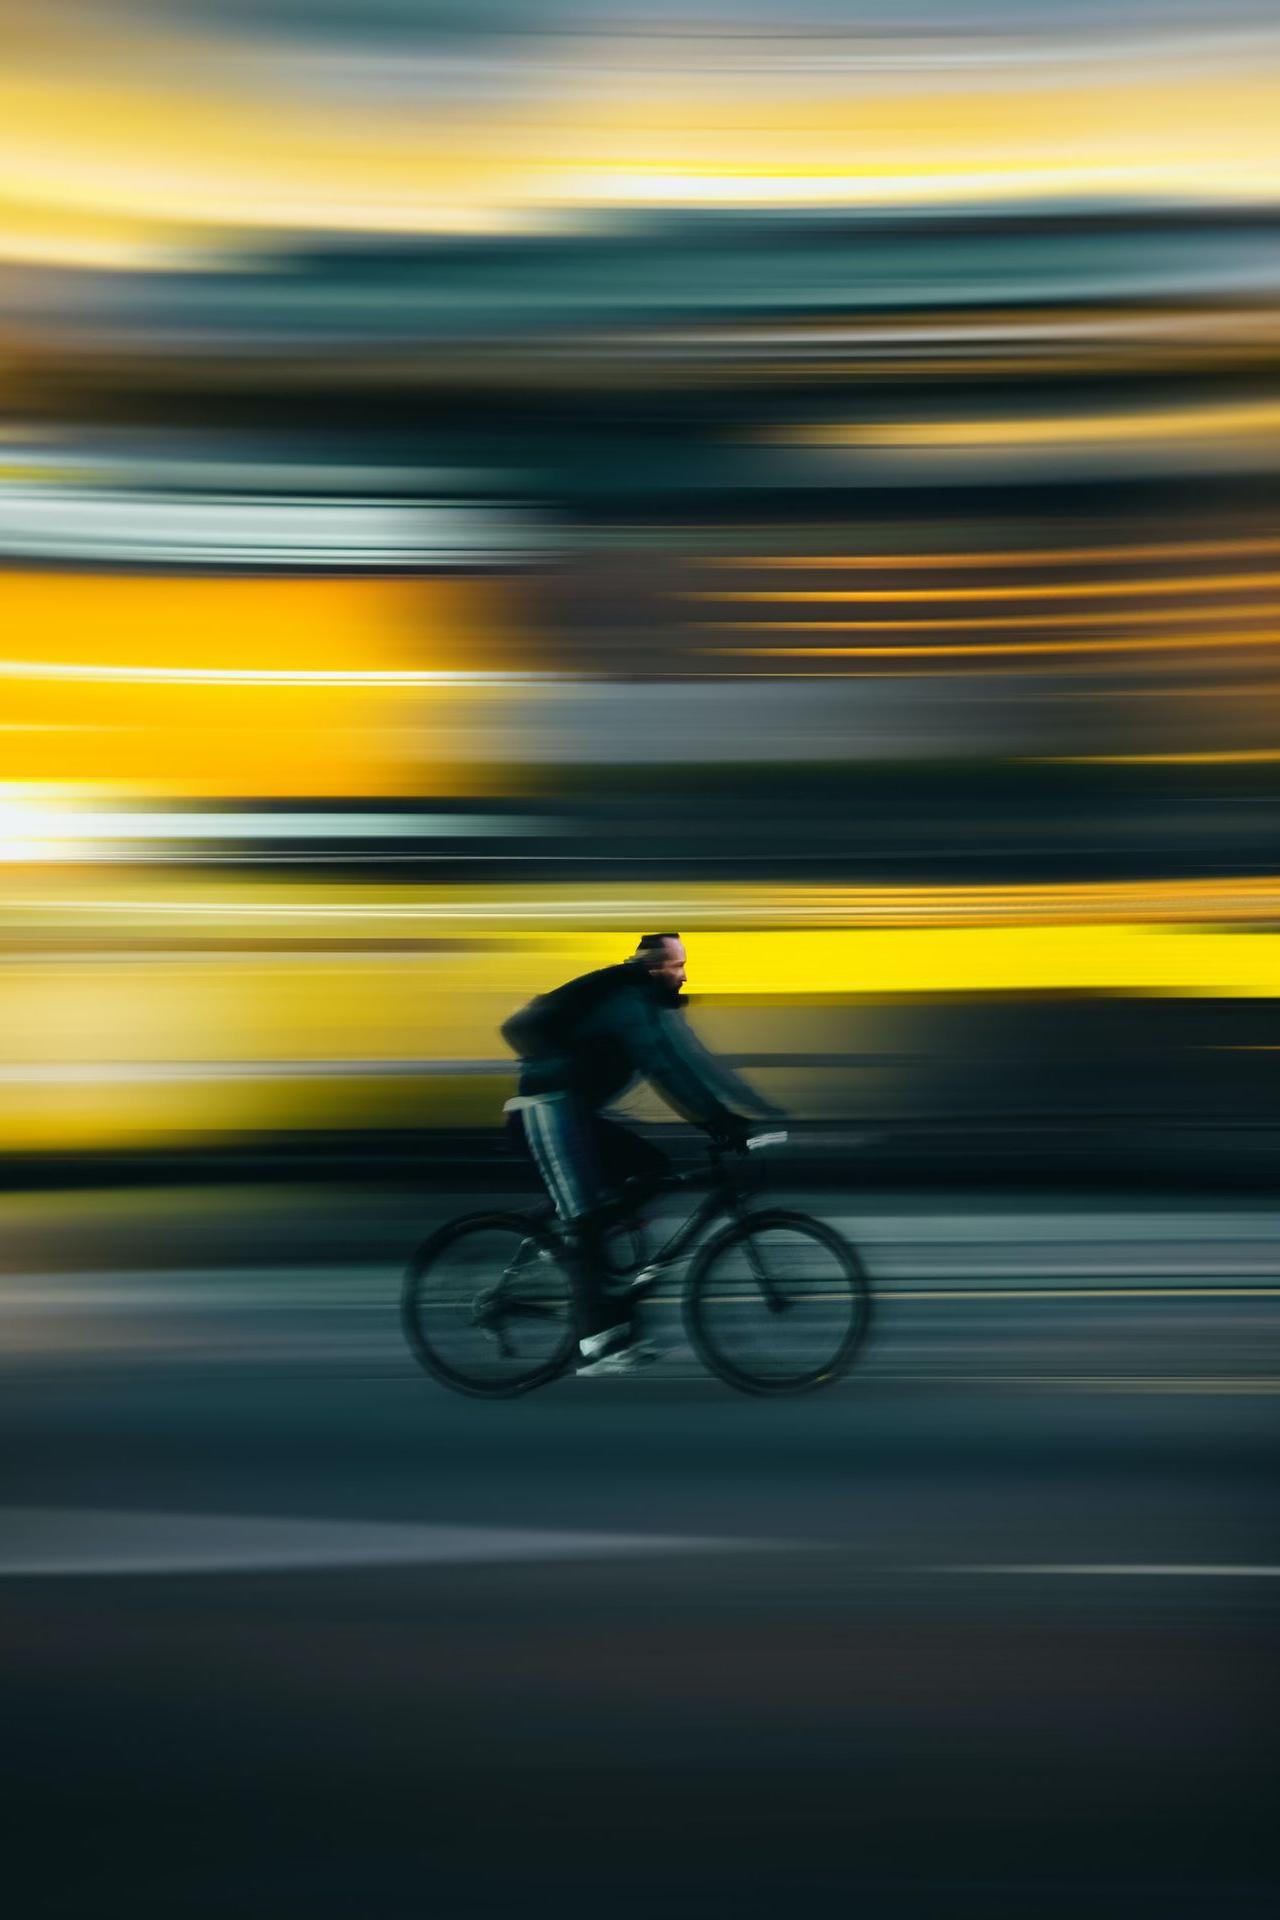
(579, 1047)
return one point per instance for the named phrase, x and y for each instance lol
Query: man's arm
(656, 1052)
(730, 1087)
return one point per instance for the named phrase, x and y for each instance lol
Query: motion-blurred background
(480, 479)
(482, 476)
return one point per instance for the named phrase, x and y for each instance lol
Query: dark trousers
(583, 1161)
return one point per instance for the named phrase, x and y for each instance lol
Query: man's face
(667, 967)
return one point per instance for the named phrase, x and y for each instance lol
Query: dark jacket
(594, 1035)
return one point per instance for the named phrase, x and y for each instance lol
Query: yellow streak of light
(164, 736)
(1226, 756)
(1055, 590)
(890, 367)
(1171, 423)
(1010, 557)
(48, 235)
(82, 1010)
(68, 1005)
(1007, 649)
(171, 133)
(62, 903)
(1003, 622)
(1230, 690)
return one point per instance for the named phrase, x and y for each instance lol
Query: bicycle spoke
(482, 1335)
(778, 1304)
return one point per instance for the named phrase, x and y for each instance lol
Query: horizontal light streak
(1122, 1570)
(265, 825)
(1004, 649)
(68, 1007)
(145, 675)
(894, 367)
(170, 150)
(59, 1073)
(1053, 590)
(1268, 611)
(711, 906)
(1008, 557)
(1227, 756)
(142, 1016)
(204, 685)
(1047, 430)
(34, 831)
(1217, 327)
(228, 530)
(1229, 690)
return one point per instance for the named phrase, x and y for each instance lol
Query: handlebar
(692, 1177)
(752, 1144)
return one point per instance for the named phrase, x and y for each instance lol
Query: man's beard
(669, 995)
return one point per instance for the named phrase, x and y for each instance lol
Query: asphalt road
(989, 1629)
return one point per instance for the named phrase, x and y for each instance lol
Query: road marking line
(92, 1542)
(1124, 1571)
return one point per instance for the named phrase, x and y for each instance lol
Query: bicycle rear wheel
(487, 1306)
(778, 1303)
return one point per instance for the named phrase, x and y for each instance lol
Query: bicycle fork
(773, 1297)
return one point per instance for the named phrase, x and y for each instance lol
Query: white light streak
(138, 675)
(236, 530)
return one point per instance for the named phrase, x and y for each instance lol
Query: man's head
(663, 955)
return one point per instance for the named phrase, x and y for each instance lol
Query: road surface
(989, 1629)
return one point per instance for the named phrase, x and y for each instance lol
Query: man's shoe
(616, 1350)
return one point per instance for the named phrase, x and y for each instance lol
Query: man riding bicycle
(580, 1047)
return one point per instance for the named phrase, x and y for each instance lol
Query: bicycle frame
(726, 1199)
(726, 1256)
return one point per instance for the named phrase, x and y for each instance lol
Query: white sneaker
(613, 1351)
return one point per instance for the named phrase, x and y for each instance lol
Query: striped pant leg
(560, 1136)
(560, 1139)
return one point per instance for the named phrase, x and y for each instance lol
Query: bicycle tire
(716, 1287)
(439, 1295)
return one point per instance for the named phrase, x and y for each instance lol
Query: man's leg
(631, 1166)
(559, 1137)
(622, 1155)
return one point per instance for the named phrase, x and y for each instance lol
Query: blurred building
(477, 480)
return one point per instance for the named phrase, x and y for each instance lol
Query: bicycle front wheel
(487, 1306)
(778, 1303)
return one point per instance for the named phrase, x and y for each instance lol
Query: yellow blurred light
(107, 142)
(60, 906)
(1222, 757)
(44, 234)
(146, 1005)
(1228, 690)
(207, 686)
(1267, 611)
(1055, 590)
(1008, 557)
(1167, 423)
(130, 1047)
(119, 672)
(1003, 649)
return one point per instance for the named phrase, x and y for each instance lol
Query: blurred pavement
(989, 1629)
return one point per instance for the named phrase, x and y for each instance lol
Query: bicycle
(774, 1302)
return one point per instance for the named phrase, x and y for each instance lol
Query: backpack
(547, 1025)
